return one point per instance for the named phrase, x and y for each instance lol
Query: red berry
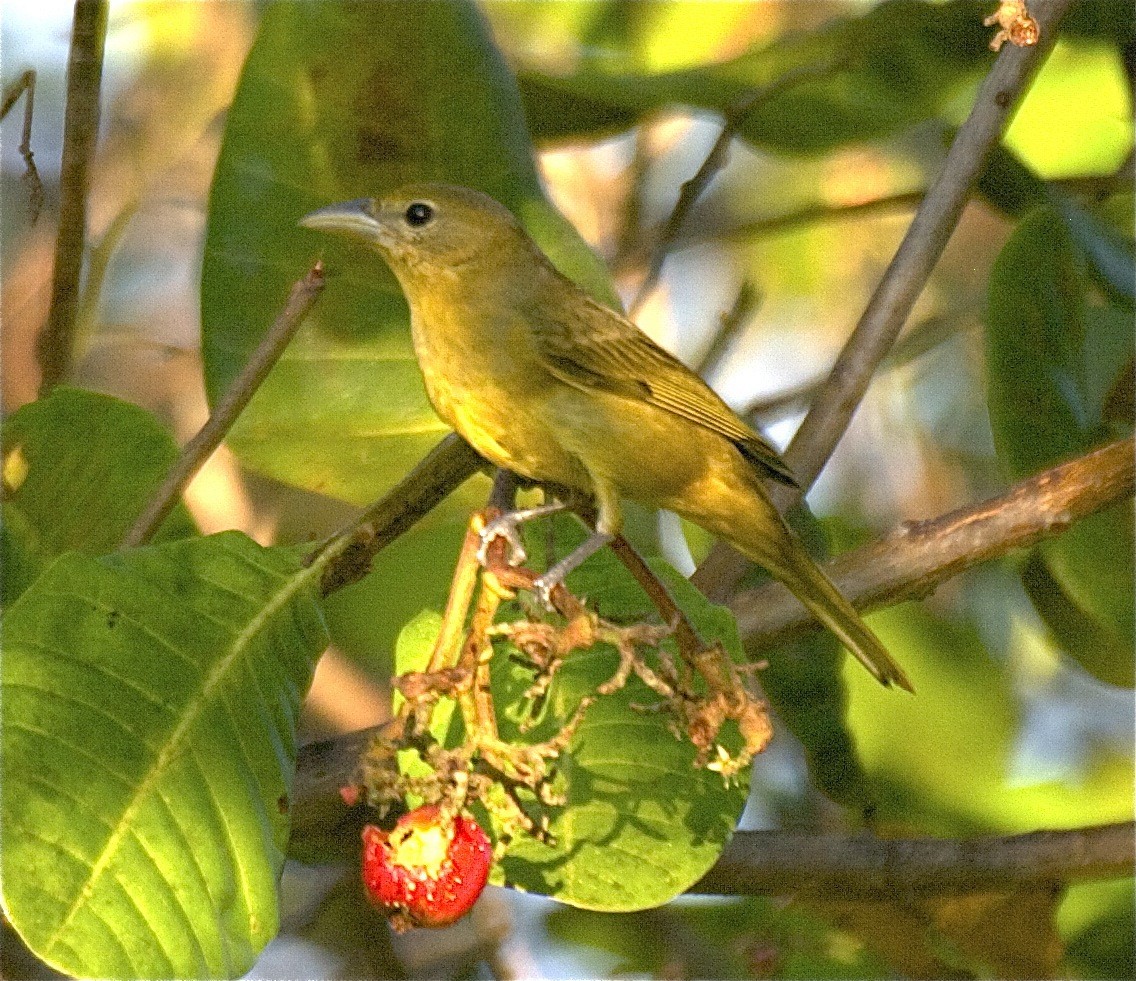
(424, 873)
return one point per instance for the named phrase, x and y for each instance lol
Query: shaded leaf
(78, 468)
(1054, 359)
(150, 701)
(890, 68)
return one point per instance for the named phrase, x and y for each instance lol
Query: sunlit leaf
(150, 703)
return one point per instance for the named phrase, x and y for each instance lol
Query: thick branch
(198, 450)
(915, 558)
(866, 867)
(888, 309)
(80, 132)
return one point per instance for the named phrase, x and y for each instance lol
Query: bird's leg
(609, 519)
(544, 585)
(505, 526)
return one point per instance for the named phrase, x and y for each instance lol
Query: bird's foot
(507, 526)
(543, 586)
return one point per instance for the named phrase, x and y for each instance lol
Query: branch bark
(865, 867)
(304, 294)
(80, 133)
(890, 305)
(915, 558)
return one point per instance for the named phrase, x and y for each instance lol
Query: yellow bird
(541, 379)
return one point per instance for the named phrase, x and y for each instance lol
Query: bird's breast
(487, 382)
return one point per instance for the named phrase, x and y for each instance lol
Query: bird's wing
(595, 348)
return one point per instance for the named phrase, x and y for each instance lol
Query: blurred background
(808, 238)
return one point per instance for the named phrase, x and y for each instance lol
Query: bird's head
(426, 228)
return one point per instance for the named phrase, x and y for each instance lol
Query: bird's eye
(419, 214)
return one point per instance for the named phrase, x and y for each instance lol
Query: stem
(198, 450)
(864, 867)
(915, 558)
(346, 558)
(80, 133)
(25, 86)
(715, 160)
(890, 305)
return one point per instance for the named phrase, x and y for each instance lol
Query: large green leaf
(150, 703)
(341, 100)
(891, 67)
(1054, 355)
(78, 468)
(640, 823)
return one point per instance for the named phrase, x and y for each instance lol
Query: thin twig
(198, 450)
(865, 867)
(347, 556)
(715, 160)
(913, 560)
(25, 85)
(888, 309)
(80, 133)
(920, 339)
(730, 326)
(747, 230)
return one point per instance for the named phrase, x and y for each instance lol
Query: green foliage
(344, 412)
(640, 822)
(1056, 353)
(150, 701)
(78, 467)
(878, 73)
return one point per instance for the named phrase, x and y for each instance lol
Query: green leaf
(1055, 356)
(894, 66)
(424, 95)
(641, 823)
(150, 703)
(78, 468)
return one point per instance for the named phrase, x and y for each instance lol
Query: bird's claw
(503, 526)
(542, 588)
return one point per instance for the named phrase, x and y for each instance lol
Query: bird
(543, 380)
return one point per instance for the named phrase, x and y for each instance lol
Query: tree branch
(911, 561)
(348, 555)
(903, 281)
(197, 450)
(80, 133)
(865, 867)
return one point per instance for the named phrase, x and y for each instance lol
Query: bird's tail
(804, 578)
(816, 591)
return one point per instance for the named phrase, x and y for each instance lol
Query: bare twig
(347, 557)
(900, 286)
(914, 559)
(80, 133)
(197, 450)
(25, 85)
(729, 327)
(920, 339)
(715, 160)
(866, 867)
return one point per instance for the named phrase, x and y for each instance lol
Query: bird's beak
(354, 219)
